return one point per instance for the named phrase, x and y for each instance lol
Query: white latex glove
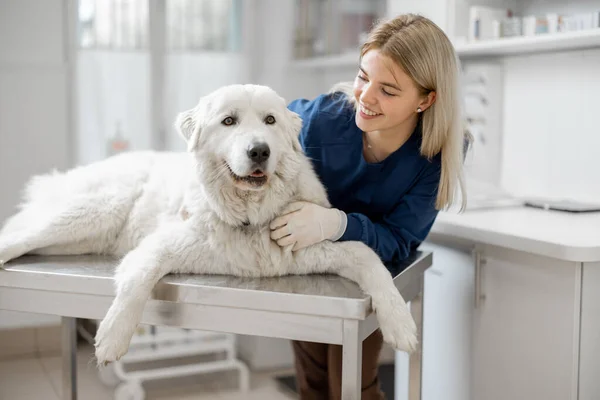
(303, 224)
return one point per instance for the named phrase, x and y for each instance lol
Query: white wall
(189, 76)
(272, 49)
(436, 10)
(34, 105)
(112, 87)
(33, 94)
(551, 135)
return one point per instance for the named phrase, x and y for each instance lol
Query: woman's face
(387, 98)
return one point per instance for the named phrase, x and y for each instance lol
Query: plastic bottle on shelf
(118, 143)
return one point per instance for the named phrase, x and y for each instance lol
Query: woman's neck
(384, 142)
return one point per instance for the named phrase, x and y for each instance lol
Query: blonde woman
(389, 150)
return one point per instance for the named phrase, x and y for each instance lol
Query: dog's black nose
(259, 152)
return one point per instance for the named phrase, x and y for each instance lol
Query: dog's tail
(40, 193)
(14, 223)
(50, 187)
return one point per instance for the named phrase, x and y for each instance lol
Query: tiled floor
(40, 379)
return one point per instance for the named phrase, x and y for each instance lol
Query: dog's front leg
(167, 250)
(357, 262)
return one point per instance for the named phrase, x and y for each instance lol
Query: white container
(481, 21)
(586, 21)
(596, 20)
(541, 25)
(529, 25)
(570, 23)
(496, 29)
(552, 22)
(512, 27)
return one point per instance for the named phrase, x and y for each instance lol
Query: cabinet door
(589, 384)
(447, 321)
(448, 317)
(526, 327)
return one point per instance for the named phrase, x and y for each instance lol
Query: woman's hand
(303, 224)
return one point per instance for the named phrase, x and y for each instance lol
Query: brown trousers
(319, 369)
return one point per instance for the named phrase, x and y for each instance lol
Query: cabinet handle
(479, 263)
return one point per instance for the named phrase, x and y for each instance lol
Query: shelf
(555, 42)
(338, 60)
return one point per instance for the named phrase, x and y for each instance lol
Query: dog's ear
(188, 127)
(294, 128)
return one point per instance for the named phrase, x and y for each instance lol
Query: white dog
(207, 213)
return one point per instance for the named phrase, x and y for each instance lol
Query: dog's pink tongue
(257, 174)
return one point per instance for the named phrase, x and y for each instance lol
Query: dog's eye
(270, 120)
(228, 121)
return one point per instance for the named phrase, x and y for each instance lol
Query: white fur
(172, 212)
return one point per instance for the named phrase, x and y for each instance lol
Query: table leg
(69, 359)
(351, 361)
(415, 367)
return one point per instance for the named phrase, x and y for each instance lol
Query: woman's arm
(403, 229)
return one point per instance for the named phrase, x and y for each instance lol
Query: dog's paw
(397, 325)
(108, 351)
(113, 337)
(400, 333)
(9, 251)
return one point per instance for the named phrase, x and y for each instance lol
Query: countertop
(557, 234)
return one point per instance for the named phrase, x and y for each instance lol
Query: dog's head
(242, 135)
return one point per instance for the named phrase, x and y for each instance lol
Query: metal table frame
(326, 309)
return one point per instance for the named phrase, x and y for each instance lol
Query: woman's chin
(367, 125)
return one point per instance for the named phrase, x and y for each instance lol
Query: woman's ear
(427, 101)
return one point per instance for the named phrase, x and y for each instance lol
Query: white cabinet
(265, 353)
(589, 384)
(448, 312)
(447, 321)
(526, 327)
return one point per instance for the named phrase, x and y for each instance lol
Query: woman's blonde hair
(427, 56)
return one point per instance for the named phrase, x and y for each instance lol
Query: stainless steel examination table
(318, 308)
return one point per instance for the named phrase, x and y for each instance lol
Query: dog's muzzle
(259, 153)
